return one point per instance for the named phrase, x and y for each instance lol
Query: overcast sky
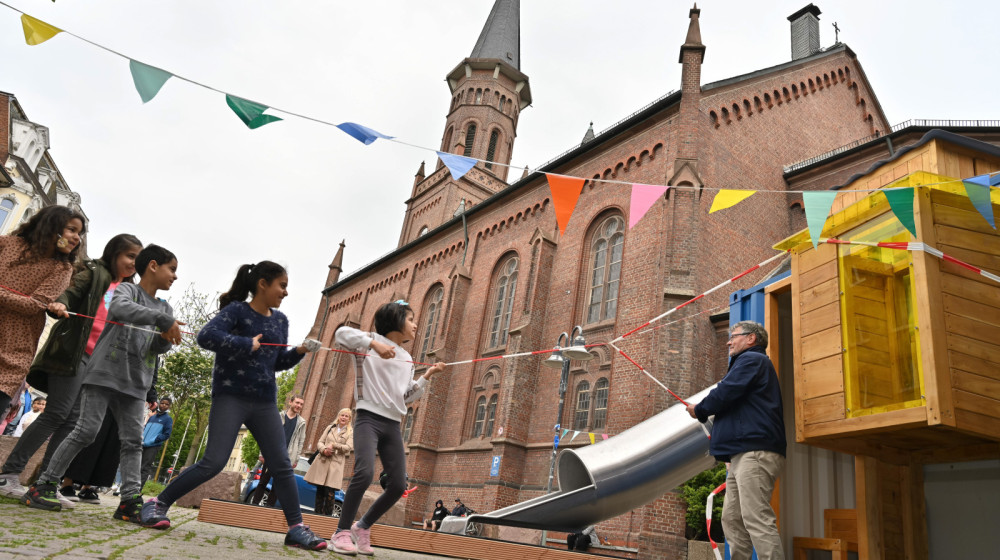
(183, 172)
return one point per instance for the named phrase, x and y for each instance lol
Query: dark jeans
(97, 464)
(258, 492)
(324, 500)
(224, 420)
(62, 409)
(372, 432)
(150, 459)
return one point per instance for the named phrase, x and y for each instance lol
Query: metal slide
(611, 477)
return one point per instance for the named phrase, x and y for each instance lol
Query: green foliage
(250, 451)
(695, 493)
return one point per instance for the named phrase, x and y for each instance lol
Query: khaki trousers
(747, 516)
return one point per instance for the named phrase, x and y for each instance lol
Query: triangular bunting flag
(604, 437)
(818, 206)
(565, 431)
(37, 31)
(575, 433)
(727, 198)
(643, 197)
(565, 193)
(147, 79)
(252, 114)
(361, 133)
(995, 179)
(978, 189)
(591, 438)
(901, 203)
(458, 165)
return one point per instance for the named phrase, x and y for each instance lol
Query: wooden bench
(840, 532)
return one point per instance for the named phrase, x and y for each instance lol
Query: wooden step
(235, 514)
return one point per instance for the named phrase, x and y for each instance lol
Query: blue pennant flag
(362, 133)
(978, 189)
(458, 165)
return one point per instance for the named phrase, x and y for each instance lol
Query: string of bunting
(566, 190)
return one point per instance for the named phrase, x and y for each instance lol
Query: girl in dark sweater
(249, 341)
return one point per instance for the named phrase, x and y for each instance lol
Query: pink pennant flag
(643, 197)
(604, 436)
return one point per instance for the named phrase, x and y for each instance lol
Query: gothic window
(503, 303)
(600, 404)
(431, 313)
(582, 406)
(491, 415)
(446, 146)
(492, 150)
(479, 97)
(470, 137)
(503, 100)
(411, 414)
(6, 209)
(477, 427)
(605, 269)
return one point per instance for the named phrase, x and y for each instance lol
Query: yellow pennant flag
(727, 198)
(591, 439)
(37, 31)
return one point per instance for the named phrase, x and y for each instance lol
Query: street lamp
(561, 358)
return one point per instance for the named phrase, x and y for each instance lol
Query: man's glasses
(734, 335)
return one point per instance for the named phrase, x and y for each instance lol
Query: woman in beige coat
(327, 469)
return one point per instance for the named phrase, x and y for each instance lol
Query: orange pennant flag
(565, 193)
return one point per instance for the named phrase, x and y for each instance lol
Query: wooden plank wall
(819, 379)
(971, 312)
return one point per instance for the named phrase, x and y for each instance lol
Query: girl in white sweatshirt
(383, 385)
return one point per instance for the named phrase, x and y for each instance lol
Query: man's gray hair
(752, 327)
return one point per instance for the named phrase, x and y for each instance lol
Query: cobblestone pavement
(89, 532)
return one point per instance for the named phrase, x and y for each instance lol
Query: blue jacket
(157, 430)
(747, 408)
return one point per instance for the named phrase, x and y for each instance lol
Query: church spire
(501, 36)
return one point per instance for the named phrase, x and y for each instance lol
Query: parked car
(307, 491)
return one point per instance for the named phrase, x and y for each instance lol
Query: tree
(695, 493)
(286, 383)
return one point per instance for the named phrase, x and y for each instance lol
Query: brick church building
(509, 282)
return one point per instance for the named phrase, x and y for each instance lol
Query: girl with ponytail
(249, 340)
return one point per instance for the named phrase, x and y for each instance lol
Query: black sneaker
(69, 493)
(129, 509)
(301, 537)
(87, 496)
(154, 515)
(42, 496)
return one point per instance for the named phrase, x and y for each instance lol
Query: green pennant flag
(901, 203)
(147, 79)
(252, 114)
(818, 206)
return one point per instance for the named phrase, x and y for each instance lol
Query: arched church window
(6, 209)
(605, 270)
(503, 303)
(470, 137)
(431, 314)
(492, 150)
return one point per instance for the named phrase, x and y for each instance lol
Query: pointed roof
(589, 135)
(501, 36)
(693, 40)
(338, 259)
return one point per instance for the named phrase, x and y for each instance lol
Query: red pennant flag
(565, 193)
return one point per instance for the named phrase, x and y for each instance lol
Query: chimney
(805, 32)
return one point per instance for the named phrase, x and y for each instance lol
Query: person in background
(459, 509)
(327, 469)
(295, 437)
(440, 512)
(159, 426)
(37, 407)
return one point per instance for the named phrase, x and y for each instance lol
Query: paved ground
(90, 532)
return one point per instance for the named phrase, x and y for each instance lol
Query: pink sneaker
(342, 543)
(363, 539)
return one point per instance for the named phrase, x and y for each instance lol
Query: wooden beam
(914, 511)
(869, 508)
(235, 514)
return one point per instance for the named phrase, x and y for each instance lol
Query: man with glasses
(749, 436)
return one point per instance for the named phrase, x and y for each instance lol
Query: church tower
(488, 92)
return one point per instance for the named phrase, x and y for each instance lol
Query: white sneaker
(10, 486)
(64, 501)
